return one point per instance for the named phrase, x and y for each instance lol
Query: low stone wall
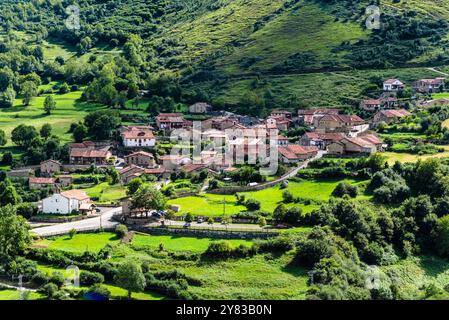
(59, 220)
(206, 233)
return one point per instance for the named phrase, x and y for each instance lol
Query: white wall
(56, 204)
(130, 143)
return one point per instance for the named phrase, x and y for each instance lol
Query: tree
(101, 124)
(49, 104)
(188, 217)
(442, 236)
(14, 236)
(7, 97)
(2, 138)
(7, 158)
(262, 222)
(29, 90)
(45, 131)
(149, 198)
(23, 135)
(133, 186)
(9, 196)
(64, 88)
(79, 133)
(121, 230)
(130, 277)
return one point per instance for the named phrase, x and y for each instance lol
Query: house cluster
(388, 108)
(338, 134)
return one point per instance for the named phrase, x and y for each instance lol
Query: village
(227, 144)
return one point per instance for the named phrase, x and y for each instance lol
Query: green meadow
(212, 205)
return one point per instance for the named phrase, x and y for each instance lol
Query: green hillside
(240, 52)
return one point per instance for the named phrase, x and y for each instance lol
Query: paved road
(104, 221)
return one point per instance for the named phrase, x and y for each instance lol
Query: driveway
(104, 221)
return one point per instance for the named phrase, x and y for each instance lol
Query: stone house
(296, 153)
(140, 158)
(50, 167)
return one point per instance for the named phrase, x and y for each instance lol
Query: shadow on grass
(432, 265)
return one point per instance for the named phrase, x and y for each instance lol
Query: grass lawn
(68, 110)
(15, 295)
(212, 205)
(105, 193)
(80, 242)
(392, 157)
(259, 277)
(178, 243)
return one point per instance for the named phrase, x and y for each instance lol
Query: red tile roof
(137, 133)
(90, 153)
(42, 180)
(75, 194)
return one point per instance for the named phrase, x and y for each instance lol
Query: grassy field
(15, 295)
(106, 193)
(68, 109)
(79, 243)
(392, 157)
(212, 205)
(178, 243)
(259, 277)
(413, 274)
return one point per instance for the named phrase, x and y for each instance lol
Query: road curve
(104, 221)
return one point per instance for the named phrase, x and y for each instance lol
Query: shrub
(252, 204)
(72, 233)
(345, 189)
(50, 290)
(57, 278)
(88, 278)
(40, 279)
(287, 197)
(221, 249)
(97, 292)
(121, 230)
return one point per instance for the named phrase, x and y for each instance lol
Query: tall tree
(14, 236)
(149, 198)
(49, 104)
(3, 139)
(29, 90)
(45, 131)
(130, 277)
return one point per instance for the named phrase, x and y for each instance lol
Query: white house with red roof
(393, 85)
(137, 136)
(67, 202)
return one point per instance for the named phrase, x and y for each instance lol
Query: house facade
(68, 202)
(171, 121)
(393, 85)
(356, 145)
(140, 158)
(390, 116)
(200, 108)
(138, 137)
(320, 140)
(295, 153)
(429, 85)
(50, 167)
(337, 123)
(41, 182)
